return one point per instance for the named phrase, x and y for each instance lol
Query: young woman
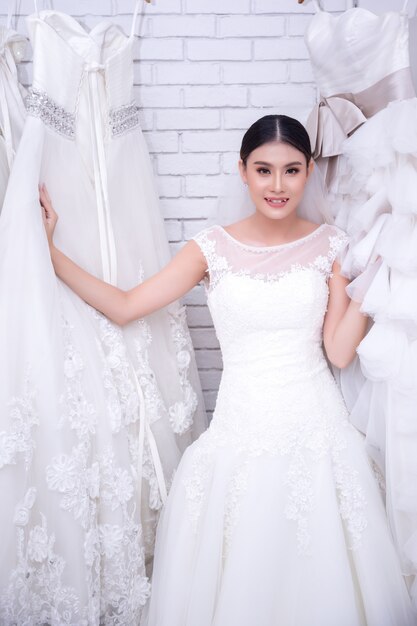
(274, 517)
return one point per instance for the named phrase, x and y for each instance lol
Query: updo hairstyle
(276, 128)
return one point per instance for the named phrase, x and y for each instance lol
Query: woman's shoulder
(209, 240)
(338, 238)
(332, 235)
(325, 228)
(333, 231)
(207, 234)
(334, 243)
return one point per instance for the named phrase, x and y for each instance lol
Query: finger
(45, 190)
(43, 193)
(44, 201)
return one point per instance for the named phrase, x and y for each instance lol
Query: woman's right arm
(185, 271)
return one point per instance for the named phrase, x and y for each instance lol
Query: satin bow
(330, 123)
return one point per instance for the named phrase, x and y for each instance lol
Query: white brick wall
(205, 70)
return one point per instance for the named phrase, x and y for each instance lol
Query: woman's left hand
(49, 216)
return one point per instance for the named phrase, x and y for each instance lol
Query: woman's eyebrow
(269, 164)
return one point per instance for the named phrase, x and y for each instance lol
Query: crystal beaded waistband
(123, 118)
(39, 104)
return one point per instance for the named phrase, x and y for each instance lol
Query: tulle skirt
(374, 199)
(279, 523)
(94, 418)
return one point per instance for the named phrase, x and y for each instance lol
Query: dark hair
(276, 128)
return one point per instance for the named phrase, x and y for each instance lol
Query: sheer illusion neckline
(278, 246)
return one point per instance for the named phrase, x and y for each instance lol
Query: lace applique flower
(38, 544)
(22, 511)
(181, 414)
(111, 537)
(22, 419)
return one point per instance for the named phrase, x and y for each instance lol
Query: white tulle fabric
(372, 193)
(274, 516)
(85, 406)
(12, 108)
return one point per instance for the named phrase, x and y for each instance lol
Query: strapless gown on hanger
(364, 133)
(94, 418)
(12, 108)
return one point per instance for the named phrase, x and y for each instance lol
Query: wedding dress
(12, 108)
(274, 516)
(364, 132)
(94, 418)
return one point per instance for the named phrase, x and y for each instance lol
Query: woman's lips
(277, 203)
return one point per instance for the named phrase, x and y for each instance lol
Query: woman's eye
(263, 170)
(293, 170)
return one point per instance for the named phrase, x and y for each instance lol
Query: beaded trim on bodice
(39, 104)
(123, 118)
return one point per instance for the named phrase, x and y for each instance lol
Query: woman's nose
(277, 184)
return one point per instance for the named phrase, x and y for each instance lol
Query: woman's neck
(271, 232)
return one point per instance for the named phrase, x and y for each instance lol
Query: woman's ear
(242, 171)
(310, 168)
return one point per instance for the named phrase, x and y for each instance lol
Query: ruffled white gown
(274, 517)
(12, 108)
(361, 62)
(93, 418)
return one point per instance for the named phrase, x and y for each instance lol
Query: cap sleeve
(217, 264)
(205, 244)
(338, 243)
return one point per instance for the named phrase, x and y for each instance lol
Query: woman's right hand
(49, 216)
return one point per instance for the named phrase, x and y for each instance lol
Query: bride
(274, 517)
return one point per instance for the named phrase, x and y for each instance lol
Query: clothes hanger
(114, 6)
(355, 3)
(11, 12)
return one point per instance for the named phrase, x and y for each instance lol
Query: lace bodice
(352, 51)
(269, 301)
(277, 396)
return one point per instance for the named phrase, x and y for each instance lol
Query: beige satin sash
(334, 118)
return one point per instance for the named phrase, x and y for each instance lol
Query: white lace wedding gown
(362, 66)
(12, 108)
(274, 517)
(88, 411)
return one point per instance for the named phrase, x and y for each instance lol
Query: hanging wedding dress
(274, 517)
(12, 108)
(94, 418)
(361, 63)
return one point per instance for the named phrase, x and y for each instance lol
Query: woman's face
(276, 174)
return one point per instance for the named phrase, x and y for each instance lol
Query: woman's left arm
(344, 325)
